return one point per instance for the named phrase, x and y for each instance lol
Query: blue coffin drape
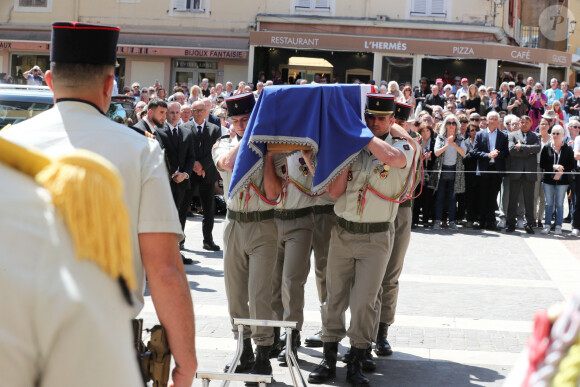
(328, 118)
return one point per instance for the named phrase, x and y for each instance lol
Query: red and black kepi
(402, 111)
(74, 42)
(240, 104)
(380, 104)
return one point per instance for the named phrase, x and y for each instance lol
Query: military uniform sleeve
(219, 149)
(157, 212)
(409, 153)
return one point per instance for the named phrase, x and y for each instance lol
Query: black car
(20, 102)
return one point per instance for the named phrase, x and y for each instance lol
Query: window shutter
(322, 4)
(437, 7)
(180, 5)
(511, 13)
(420, 6)
(303, 4)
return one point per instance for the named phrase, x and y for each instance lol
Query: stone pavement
(466, 304)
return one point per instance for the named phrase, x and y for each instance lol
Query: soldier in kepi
(387, 300)
(81, 76)
(250, 236)
(361, 242)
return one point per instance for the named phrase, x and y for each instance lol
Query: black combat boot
(383, 348)
(368, 363)
(295, 341)
(314, 341)
(327, 368)
(262, 366)
(354, 373)
(247, 360)
(278, 344)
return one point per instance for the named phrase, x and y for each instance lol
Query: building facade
(183, 41)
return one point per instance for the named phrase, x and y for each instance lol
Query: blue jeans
(554, 195)
(445, 194)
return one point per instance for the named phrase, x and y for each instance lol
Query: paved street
(465, 310)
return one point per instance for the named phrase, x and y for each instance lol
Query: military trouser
(291, 268)
(387, 299)
(320, 244)
(249, 256)
(356, 267)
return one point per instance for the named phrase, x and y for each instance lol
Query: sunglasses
(464, 122)
(556, 134)
(475, 119)
(451, 123)
(574, 127)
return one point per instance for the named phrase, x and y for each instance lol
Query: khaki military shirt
(64, 321)
(297, 182)
(250, 199)
(74, 124)
(325, 200)
(221, 147)
(367, 174)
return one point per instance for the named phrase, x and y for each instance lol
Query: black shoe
(294, 342)
(539, 224)
(383, 348)
(326, 370)
(510, 228)
(278, 345)
(492, 227)
(354, 373)
(567, 219)
(247, 360)
(315, 340)
(529, 229)
(368, 363)
(262, 365)
(186, 261)
(210, 246)
(478, 226)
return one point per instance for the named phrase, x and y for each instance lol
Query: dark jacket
(180, 156)
(481, 150)
(432, 100)
(524, 159)
(202, 145)
(547, 161)
(571, 102)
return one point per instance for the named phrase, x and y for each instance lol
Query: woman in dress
(538, 101)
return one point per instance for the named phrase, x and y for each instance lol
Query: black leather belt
(255, 216)
(326, 209)
(292, 214)
(363, 228)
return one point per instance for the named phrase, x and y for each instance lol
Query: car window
(13, 112)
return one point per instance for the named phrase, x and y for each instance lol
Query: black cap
(240, 104)
(380, 104)
(402, 111)
(74, 42)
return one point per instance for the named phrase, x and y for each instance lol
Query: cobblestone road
(466, 304)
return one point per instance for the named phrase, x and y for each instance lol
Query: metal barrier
(230, 376)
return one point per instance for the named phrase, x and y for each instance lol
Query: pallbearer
(361, 242)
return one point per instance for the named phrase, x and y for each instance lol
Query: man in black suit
(180, 156)
(524, 146)
(491, 150)
(156, 113)
(205, 136)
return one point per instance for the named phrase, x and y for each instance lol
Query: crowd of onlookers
(453, 184)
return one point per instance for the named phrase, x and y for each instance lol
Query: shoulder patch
(406, 147)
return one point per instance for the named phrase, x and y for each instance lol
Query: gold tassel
(87, 192)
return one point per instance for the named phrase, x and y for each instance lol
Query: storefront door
(192, 72)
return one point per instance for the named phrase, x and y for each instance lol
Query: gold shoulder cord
(87, 192)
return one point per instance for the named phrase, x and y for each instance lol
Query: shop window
(190, 7)
(33, 5)
(530, 36)
(313, 6)
(429, 8)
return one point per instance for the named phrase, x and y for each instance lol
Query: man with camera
(34, 76)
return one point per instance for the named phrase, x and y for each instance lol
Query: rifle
(155, 358)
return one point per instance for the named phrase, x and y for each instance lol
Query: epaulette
(225, 136)
(143, 132)
(87, 191)
(399, 139)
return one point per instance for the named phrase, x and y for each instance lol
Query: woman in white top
(539, 201)
(449, 150)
